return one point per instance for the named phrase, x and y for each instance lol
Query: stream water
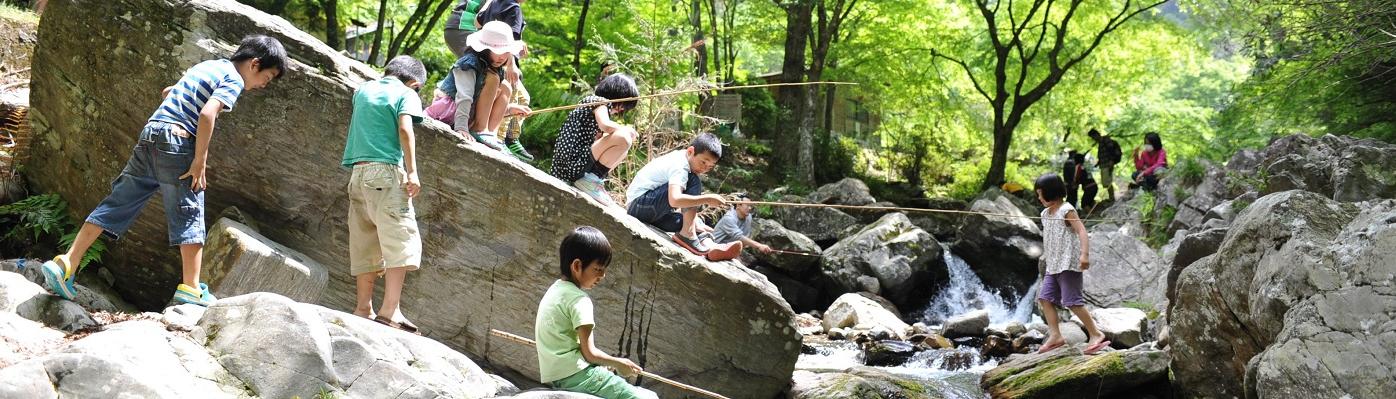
(954, 373)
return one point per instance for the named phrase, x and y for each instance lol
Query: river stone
(970, 324)
(1072, 332)
(996, 346)
(887, 353)
(549, 394)
(1192, 248)
(904, 259)
(238, 260)
(490, 248)
(1124, 327)
(92, 293)
(1007, 209)
(860, 312)
(1066, 373)
(857, 382)
(20, 296)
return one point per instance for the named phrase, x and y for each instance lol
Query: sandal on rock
(721, 252)
(691, 245)
(401, 326)
(1091, 350)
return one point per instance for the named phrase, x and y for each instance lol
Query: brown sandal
(408, 327)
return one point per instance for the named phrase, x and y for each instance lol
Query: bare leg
(610, 151)
(501, 104)
(193, 257)
(1049, 311)
(86, 236)
(1095, 336)
(689, 215)
(392, 292)
(363, 293)
(484, 103)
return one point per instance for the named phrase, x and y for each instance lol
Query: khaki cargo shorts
(382, 224)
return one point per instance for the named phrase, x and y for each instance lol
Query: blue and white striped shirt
(214, 78)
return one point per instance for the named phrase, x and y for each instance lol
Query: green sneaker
(518, 150)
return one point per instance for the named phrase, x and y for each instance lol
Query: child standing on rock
(170, 157)
(1066, 251)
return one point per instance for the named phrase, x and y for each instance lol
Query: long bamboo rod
(672, 93)
(646, 374)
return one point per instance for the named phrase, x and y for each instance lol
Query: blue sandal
(58, 279)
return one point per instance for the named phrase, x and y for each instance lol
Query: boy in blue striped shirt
(170, 156)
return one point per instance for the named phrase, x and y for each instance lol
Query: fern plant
(36, 218)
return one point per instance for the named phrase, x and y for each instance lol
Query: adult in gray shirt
(736, 226)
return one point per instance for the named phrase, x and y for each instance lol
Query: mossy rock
(860, 382)
(1067, 372)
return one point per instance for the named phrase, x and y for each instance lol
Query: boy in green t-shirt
(381, 149)
(567, 354)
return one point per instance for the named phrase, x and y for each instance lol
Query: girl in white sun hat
(481, 102)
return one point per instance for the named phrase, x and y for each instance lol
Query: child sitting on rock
(567, 355)
(590, 143)
(170, 157)
(671, 181)
(475, 97)
(1066, 254)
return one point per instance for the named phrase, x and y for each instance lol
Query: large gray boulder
(849, 191)
(1201, 198)
(1124, 327)
(905, 260)
(238, 260)
(1123, 269)
(771, 233)
(94, 290)
(1339, 167)
(490, 224)
(130, 359)
(1004, 255)
(1007, 209)
(281, 348)
(857, 382)
(1280, 252)
(1192, 248)
(21, 339)
(825, 226)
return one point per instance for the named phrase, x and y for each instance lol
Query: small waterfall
(966, 293)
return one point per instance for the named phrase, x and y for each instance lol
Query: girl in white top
(1066, 254)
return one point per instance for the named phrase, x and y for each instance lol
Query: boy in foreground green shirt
(567, 355)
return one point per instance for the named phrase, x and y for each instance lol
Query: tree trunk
(796, 101)
(581, 39)
(430, 27)
(695, 17)
(378, 36)
(408, 29)
(1003, 136)
(332, 30)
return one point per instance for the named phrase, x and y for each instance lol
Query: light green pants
(601, 382)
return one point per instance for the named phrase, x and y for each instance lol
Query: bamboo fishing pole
(781, 251)
(672, 93)
(902, 209)
(646, 374)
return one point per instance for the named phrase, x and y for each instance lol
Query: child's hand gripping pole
(646, 374)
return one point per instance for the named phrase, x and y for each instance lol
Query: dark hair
(1078, 157)
(1093, 133)
(1152, 138)
(405, 68)
(266, 49)
(1051, 186)
(618, 86)
(586, 244)
(709, 143)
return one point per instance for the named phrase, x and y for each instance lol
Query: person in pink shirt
(1150, 162)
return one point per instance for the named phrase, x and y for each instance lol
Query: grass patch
(1191, 171)
(1146, 307)
(14, 13)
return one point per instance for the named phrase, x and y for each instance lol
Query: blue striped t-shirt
(214, 78)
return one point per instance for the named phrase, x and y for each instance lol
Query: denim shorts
(653, 206)
(160, 157)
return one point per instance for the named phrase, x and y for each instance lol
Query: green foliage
(36, 217)
(1190, 171)
(759, 112)
(39, 224)
(1146, 307)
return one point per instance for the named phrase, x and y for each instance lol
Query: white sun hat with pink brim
(495, 36)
